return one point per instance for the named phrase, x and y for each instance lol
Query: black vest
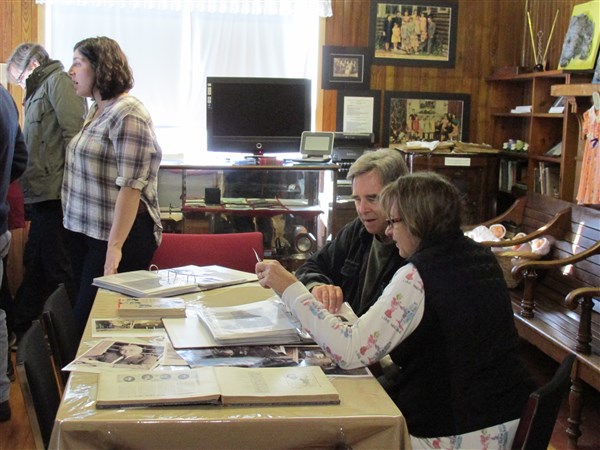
(460, 369)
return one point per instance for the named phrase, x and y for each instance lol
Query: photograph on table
(345, 68)
(425, 116)
(581, 43)
(118, 354)
(418, 33)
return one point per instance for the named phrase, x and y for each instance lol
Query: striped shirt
(117, 149)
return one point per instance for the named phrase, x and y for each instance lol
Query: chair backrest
(233, 250)
(38, 383)
(540, 412)
(61, 327)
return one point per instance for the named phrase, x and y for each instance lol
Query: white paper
(358, 114)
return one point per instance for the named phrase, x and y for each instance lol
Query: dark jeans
(46, 261)
(88, 256)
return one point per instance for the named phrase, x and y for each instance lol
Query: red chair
(233, 250)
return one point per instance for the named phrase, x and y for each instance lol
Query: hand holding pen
(271, 274)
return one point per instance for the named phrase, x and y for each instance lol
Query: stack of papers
(258, 323)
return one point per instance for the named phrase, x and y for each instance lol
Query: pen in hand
(258, 274)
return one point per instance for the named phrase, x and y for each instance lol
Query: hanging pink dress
(589, 184)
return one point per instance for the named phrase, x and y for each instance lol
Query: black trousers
(88, 256)
(46, 261)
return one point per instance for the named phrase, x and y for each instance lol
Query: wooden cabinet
(539, 128)
(475, 175)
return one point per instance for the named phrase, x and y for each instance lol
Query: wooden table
(366, 417)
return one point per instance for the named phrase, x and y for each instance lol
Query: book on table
(216, 385)
(150, 307)
(175, 281)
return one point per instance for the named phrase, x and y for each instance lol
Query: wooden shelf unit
(539, 128)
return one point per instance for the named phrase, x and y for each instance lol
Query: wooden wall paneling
(329, 104)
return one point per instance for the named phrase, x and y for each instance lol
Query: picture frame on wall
(345, 68)
(425, 116)
(355, 109)
(418, 33)
(582, 40)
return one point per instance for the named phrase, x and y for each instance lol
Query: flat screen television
(257, 115)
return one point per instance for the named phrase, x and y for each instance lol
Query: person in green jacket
(53, 115)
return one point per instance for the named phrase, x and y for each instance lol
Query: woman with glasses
(110, 196)
(53, 114)
(445, 319)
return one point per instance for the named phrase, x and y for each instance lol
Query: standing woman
(110, 197)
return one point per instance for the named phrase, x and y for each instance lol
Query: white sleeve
(392, 318)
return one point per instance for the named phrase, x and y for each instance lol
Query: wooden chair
(541, 410)
(38, 383)
(61, 328)
(585, 297)
(232, 250)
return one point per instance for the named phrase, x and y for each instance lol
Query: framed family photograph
(417, 33)
(346, 68)
(425, 116)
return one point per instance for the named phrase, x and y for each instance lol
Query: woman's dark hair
(113, 74)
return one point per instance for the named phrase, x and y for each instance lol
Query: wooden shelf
(574, 90)
(540, 129)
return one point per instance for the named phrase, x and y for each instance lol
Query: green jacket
(53, 115)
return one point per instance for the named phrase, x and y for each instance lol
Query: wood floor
(16, 433)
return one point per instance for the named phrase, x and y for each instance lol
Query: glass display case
(292, 205)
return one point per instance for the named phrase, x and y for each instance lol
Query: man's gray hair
(388, 163)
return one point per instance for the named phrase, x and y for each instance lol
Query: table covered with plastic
(365, 418)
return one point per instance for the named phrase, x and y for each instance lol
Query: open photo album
(216, 385)
(175, 281)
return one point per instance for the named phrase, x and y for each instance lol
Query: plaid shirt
(117, 149)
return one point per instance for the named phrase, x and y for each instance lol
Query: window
(173, 46)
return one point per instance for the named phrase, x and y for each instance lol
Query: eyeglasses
(392, 220)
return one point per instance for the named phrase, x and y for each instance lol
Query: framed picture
(359, 112)
(413, 33)
(345, 68)
(425, 116)
(582, 40)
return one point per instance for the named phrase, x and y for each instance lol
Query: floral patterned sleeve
(388, 322)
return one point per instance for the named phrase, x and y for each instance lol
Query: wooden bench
(553, 304)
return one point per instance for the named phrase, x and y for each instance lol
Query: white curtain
(173, 46)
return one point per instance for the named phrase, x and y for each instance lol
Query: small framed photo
(425, 116)
(419, 33)
(345, 68)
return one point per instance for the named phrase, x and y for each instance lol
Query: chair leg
(575, 409)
